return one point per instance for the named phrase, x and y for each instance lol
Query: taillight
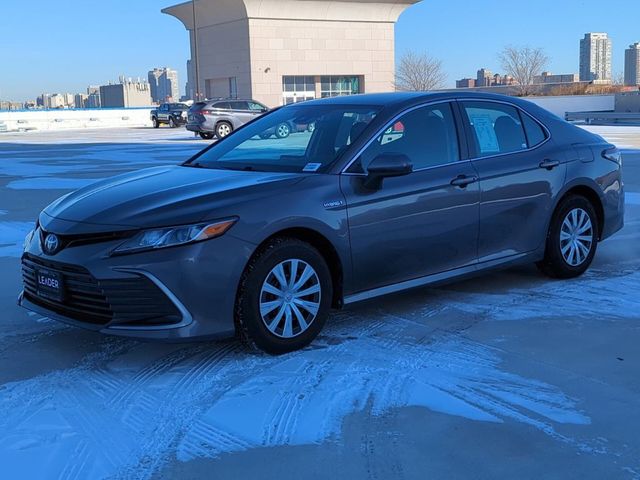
(613, 154)
(205, 112)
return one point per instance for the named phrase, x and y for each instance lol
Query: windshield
(301, 138)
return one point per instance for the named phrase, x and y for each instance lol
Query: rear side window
(496, 128)
(535, 133)
(239, 106)
(222, 106)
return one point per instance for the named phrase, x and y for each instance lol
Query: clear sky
(64, 45)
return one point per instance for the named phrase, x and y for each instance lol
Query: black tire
(206, 135)
(156, 123)
(283, 130)
(249, 320)
(223, 129)
(555, 265)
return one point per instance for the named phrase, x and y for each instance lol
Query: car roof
(392, 99)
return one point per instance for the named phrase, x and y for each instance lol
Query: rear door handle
(549, 164)
(463, 181)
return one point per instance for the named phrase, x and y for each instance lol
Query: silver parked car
(384, 193)
(221, 117)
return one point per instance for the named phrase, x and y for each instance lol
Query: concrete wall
(38, 120)
(224, 53)
(575, 103)
(314, 48)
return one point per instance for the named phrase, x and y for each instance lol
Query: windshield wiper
(193, 165)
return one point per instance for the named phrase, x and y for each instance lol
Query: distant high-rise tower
(632, 65)
(484, 78)
(164, 85)
(595, 58)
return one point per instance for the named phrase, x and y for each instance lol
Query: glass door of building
(298, 89)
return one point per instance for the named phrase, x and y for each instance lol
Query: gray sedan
(261, 236)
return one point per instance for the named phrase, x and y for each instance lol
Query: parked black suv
(172, 114)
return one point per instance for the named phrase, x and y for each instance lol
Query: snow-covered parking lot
(508, 375)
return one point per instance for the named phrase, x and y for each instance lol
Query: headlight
(174, 236)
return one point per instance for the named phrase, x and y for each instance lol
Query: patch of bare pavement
(508, 375)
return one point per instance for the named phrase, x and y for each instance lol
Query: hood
(160, 197)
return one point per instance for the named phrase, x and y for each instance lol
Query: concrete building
(126, 94)
(632, 65)
(164, 85)
(466, 83)
(548, 77)
(80, 100)
(284, 51)
(93, 97)
(484, 78)
(595, 58)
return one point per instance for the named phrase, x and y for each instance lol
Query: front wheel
(283, 130)
(572, 240)
(156, 123)
(172, 123)
(284, 297)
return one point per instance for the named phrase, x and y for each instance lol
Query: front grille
(69, 241)
(132, 301)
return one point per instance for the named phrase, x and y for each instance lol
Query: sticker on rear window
(312, 167)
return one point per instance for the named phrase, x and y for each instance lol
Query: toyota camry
(261, 236)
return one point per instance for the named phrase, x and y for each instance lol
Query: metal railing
(604, 118)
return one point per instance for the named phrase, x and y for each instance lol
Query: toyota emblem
(51, 244)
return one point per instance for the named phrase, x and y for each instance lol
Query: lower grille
(132, 301)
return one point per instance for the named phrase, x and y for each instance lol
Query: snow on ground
(623, 137)
(110, 407)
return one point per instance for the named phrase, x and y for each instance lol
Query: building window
(233, 87)
(334, 86)
(298, 88)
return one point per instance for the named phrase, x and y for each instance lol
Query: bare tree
(419, 72)
(524, 64)
(618, 79)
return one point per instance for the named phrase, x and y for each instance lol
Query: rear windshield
(295, 139)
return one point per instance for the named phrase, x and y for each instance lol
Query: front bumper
(195, 285)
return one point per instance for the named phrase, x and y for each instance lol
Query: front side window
(497, 128)
(426, 135)
(257, 107)
(256, 147)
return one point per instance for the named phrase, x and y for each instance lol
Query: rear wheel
(206, 135)
(285, 296)
(572, 240)
(223, 129)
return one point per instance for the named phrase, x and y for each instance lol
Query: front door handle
(463, 181)
(550, 164)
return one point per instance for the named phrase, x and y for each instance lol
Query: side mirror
(387, 166)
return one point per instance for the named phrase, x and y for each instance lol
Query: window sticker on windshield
(486, 134)
(312, 167)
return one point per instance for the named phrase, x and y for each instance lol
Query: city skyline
(460, 53)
